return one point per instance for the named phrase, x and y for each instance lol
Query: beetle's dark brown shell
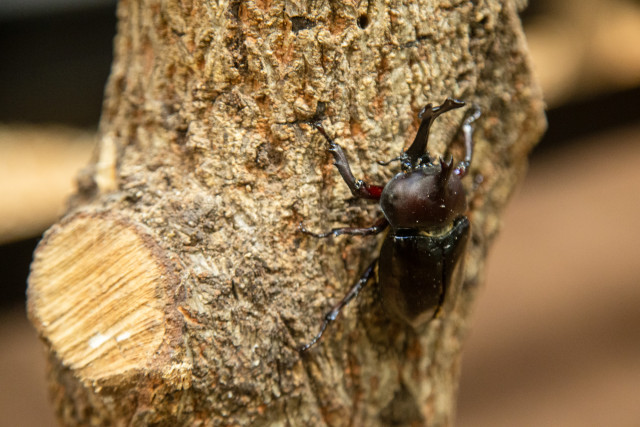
(417, 271)
(422, 199)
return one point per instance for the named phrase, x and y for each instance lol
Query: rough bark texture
(178, 287)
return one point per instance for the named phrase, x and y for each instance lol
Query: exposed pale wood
(205, 151)
(97, 294)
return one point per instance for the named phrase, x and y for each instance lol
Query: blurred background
(555, 337)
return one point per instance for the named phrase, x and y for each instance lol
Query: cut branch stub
(96, 294)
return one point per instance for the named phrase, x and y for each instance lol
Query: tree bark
(178, 287)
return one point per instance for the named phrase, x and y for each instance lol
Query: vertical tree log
(177, 288)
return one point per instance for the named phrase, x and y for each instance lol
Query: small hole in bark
(363, 21)
(299, 23)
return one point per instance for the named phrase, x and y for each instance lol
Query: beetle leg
(388, 162)
(335, 311)
(376, 228)
(358, 187)
(467, 130)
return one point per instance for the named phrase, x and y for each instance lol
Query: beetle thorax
(425, 198)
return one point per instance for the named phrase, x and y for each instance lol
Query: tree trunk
(178, 288)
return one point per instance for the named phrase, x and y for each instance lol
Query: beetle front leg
(376, 228)
(358, 187)
(335, 311)
(467, 130)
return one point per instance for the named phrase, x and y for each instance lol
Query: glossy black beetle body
(421, 257)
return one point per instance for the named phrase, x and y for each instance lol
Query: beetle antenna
(428, 115)
(467, 129)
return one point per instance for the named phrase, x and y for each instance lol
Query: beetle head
(425, 195)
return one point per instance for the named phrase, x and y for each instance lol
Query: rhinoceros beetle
(424, 205)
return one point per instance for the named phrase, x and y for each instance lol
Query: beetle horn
(428, 115)
(446, 171)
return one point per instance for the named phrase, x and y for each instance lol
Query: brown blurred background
(555, 337)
